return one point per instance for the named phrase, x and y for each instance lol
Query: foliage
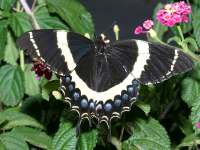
(164, 117)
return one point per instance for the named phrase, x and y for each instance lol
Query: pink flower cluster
(147, 25)
(174, 13)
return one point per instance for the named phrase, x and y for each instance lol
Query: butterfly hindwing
(60, 49)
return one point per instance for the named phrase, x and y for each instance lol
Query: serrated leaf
(49, 87)
(20, 23)
(80, 21)
(7, 4)
(147, 135)
(46, 21)
(32, 86)
(190, 92)
(190, 40)
(33, 136)
(189, 141)
(2, 146)
(196, 24)
(15, 118)
(11, 85)
(13, 142)
(143, 106)
(65, 138)
(87, 141)
(195, 115)
(3, 39)
(11, 53)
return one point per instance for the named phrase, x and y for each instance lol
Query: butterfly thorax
(101, 46)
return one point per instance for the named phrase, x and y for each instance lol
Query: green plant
(166, 115)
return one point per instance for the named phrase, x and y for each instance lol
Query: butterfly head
(102, 44)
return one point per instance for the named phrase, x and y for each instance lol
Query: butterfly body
(101, 78)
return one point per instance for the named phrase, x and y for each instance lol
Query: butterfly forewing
(154, 62)
(60, 49)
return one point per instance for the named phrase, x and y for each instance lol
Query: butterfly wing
(153, 62)
(60, 49)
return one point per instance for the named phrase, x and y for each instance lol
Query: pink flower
(148, 24)
(198, 125)
(138, 30)
(174, 13)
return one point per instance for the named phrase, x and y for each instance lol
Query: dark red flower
(41, 69)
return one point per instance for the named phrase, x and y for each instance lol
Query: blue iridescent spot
(108, 107)
(125, 97)
(135, 82)
(117, 103)
(84, 103)
(76, 96)
(67, 79)
(71, 87)
(131, 91)
(92, 106)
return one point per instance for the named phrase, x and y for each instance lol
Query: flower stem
(30, 13)
(180, 33)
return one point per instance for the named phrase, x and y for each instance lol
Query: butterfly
(101, 78)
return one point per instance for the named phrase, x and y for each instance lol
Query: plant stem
(21, 53)
(180, 33)
(30, 13)
(185, 47)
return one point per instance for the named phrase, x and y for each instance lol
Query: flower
(41, 69)
(198, 125)
(138, 30)
(174, 13)
(148, 24)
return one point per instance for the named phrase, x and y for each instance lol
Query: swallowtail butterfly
(101, 78)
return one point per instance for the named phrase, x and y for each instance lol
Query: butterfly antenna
(110, 27)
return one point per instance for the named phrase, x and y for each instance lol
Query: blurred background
(128, 14)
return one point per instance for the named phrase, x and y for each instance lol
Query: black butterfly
(101, 78)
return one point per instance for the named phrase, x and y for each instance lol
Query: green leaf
(195, 115)
(186, 27)
(46, 21)
(32, 86)
(147, 135)
(190, 40)
(190, 92)
(11, 85)
(49, 87)
(146, 108)
(74, 14)
(13, 142)
(11, 53)
(196, 24)
(20, 23)
(87, 141)
(196, 71)
(2, 146)
(65, 138)
(33, 136)
(7, 4)
(189, 141)
(14, 118)
(3, 39)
